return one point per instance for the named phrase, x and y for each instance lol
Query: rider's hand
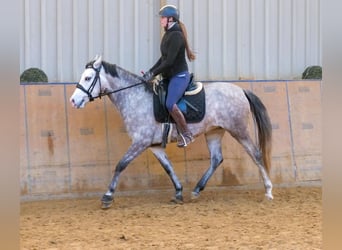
(148, 76)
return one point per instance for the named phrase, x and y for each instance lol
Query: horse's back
(225, 93)
(226, 105)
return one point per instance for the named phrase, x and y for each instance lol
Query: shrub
(33, 75)
(312, 72)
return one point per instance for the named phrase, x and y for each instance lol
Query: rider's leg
(184, 134)
(176, 89)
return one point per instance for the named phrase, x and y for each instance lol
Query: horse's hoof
(107, 201)
(177, 200)
(106, 205)
(269, 197)
(194, 195)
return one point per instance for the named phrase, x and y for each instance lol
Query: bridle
(93, 84)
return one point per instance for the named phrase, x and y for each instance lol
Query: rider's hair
(191, 55)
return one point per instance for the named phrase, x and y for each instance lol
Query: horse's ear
(97, 62)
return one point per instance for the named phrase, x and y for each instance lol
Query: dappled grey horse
(228, 108)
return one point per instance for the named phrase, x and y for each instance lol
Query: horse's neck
(128, 100)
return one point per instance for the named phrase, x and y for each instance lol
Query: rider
(173, 66)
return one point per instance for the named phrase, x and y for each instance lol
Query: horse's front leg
(131, 154)
(160, 154)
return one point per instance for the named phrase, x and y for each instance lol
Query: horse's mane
(112, 70)
(108, 67)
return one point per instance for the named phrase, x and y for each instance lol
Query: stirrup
(184, 140)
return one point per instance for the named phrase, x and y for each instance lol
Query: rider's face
(163, 21)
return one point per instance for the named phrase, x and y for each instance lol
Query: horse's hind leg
(160, 154)
(213, 139)
(256, 156)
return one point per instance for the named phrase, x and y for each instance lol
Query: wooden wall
(73, 152)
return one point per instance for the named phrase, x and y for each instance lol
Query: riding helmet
(169, 11)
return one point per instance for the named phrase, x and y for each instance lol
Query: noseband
(97, 77)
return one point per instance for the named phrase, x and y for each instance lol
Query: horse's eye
(87, 78)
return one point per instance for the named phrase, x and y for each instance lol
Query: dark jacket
(172, 48)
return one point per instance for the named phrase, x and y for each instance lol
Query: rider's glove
(148, 76)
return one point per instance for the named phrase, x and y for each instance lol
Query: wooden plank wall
(69, 152)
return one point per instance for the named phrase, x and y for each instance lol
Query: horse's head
(89, 86)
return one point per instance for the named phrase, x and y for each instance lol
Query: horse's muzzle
(77, 105)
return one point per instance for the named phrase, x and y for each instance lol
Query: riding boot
(184, 135)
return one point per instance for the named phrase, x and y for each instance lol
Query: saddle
(192, 105)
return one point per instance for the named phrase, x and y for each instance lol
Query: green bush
(312, 72)
(33, 75)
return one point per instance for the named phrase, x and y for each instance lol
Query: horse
(228, 109)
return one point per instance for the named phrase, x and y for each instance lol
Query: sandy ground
(219, 219)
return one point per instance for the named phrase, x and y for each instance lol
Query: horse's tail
(263, 122)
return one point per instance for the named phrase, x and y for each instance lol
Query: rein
(97, 77)
(117, 90)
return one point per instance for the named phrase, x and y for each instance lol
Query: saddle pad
(191, 115)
